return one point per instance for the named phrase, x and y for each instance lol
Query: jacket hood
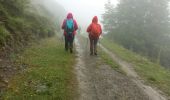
(95, 19)
(69, 16)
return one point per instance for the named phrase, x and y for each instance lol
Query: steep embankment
(21, 23)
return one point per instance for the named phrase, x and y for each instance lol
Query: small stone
(3, 84)
(41, 89)
(9, 66)
(6, 81)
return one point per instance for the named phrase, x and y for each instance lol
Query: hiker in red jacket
(69, 26)
(94, 31)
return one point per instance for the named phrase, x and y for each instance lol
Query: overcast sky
(84, 10)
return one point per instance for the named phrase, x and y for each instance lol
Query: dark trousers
(69, 42)
(93, 44)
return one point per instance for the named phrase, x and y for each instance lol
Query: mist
(84, 10)
(121, 27)
(54, 8)
(42, 57)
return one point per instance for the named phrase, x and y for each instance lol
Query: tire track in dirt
(98, 81)
(127, 67)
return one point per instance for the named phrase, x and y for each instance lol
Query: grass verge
(152, 73)
(108, 60)
(48, 74)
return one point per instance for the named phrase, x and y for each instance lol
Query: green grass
(108, 60)
(152, 73)
(3, 34)
(48, 76)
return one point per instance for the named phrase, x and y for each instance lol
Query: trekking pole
(74, 42)
(86, 44)
(99, 40)
(63, 39)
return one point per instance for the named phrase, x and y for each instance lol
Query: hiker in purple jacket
(69, 26)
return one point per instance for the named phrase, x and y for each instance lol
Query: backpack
(69, 26)
(95, 30)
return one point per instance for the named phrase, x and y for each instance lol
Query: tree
(141, 25)
(108, 17)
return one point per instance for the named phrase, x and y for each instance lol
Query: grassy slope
(48, 76)
(152, 73)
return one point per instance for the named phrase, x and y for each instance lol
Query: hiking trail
(98, 81)
(128, 69)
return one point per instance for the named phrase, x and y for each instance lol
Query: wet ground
(152, 93)
(98, 81)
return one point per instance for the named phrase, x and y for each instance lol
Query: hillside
(22, 23)
(128, 64)
(152, 73)
(47, 73)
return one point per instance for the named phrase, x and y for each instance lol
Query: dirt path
(98, 81)
(126, 67)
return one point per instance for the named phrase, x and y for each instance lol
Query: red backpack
(95, 30)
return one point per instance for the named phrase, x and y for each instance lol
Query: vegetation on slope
(141, 26)
(21, 22)
(48, 73)
(152, 73)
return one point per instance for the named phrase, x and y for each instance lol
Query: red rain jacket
(89, 29)
(70, 16)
